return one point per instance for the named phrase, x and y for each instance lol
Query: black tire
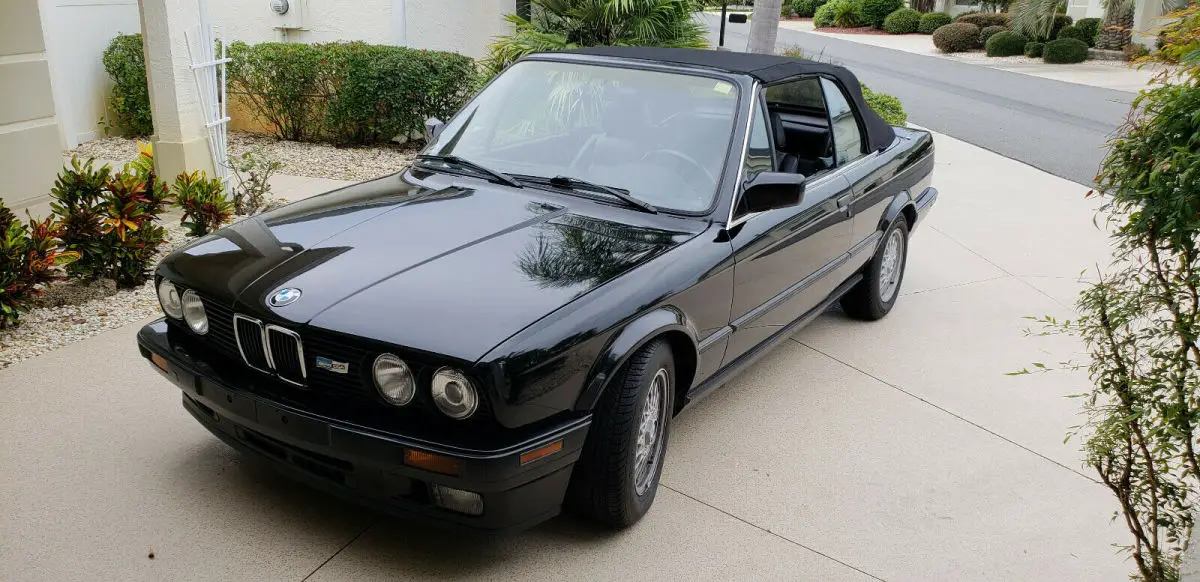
(865, 301)
(603, 484)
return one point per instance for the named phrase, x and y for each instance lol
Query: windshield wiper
(457, 161)
(577, 184)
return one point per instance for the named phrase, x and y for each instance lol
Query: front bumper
(365, 465)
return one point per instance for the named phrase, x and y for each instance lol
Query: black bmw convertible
(507, 327)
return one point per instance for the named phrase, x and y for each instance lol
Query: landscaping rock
(75, 292)
(315, 160)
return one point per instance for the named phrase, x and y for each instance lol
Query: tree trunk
(1115, 30)
(764, 26)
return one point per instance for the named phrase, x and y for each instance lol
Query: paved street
(895, 450)
(1056, 126)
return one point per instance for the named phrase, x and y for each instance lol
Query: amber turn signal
(541, 452)
(159, 361)
(430, 462)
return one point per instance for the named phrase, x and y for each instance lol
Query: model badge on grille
(284, 296)
(335, 367)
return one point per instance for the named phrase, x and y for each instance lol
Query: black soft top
(769, 69)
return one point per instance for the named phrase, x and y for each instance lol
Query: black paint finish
(541, 295)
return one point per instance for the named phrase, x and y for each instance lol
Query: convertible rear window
(662, 136)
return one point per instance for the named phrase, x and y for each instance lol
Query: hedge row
(348, 92)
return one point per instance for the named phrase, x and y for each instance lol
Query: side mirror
(771, 190)
(738, 18)
(433, 128)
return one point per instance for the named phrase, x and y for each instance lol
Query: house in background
(53, 87)
(30, 117)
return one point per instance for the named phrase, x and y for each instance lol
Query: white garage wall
(323, 20)
(462, 26)
(77, 32)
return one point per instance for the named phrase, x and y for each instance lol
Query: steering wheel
(678, 155)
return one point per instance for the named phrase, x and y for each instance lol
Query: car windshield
(663, 137)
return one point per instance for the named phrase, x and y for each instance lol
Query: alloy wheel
(649, 450)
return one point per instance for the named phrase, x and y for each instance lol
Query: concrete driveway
(896, 450)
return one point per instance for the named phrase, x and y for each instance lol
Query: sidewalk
(1114, 75)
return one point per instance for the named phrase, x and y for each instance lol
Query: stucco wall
(30, 145)
(324, 20)
(77, 32)
(463, 26)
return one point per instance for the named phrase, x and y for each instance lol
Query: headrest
(777, 127)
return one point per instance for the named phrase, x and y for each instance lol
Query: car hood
(438, 264)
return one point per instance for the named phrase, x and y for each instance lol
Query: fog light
(457, 500)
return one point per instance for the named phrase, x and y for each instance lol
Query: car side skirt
(733, 368)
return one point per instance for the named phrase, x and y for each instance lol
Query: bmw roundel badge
(285, 296)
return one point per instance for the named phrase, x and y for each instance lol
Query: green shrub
(1005, 44)
(887, 106)
(283, 83)
(203, 201)
(840, 13)
(902, 21)
(806, 8)
(1089, 30)
(378, 92)
(1075, 33)
(989, 32)
(1034, 49)
(823, 17)
(562, 24)
(109, 219)
(1138, 323)
(130, 99)
(30, 257)
(874, 12)
(956, 37)
(1061, 21)
(348, 93)
(1065, 50)
(986, 19)
(931, 21)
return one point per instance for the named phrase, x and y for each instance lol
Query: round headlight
(454, 394)
(394, 380)
(193, 312)
(168, 297)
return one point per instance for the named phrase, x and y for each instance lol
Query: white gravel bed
(297, 158)
(980, 57)
(45, 329)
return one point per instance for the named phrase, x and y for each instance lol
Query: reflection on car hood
(451, 270)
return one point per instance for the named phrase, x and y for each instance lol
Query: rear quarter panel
(892, 178)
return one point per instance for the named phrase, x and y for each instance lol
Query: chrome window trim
(741, 175)
(299, 351)
(237, 338)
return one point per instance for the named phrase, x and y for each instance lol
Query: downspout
(399, 23)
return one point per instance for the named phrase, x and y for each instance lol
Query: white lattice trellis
(209, 71)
